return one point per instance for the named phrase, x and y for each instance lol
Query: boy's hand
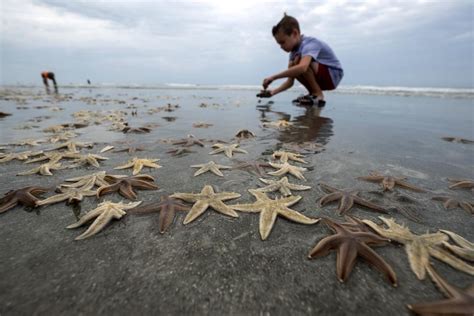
(267, 82)
(265, 94)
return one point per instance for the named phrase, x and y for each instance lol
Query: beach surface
(218, 264)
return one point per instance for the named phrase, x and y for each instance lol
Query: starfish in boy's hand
(350, 244)
(451, 202)
(72, 195)
(389, 182)
(44, 169)
(25, 196)
(281, 185)
(210, 166)
(139, 163)
(167, 208)
(287, 168)
(465, 248)
(348, 198)
(228, 150)
(189, 141)
(461, 184)
(124, 185)
(207, 198)
(285, 156)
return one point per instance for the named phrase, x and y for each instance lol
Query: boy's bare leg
(308, 80)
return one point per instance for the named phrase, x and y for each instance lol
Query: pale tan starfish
(285, 156)
(278, 124)
(54, 129)
(210, 166)
(282, 185)
(139, 163)
(87, 159)
(44, 169)
(389, 182)
(71, 194)
(419, 248)
(52, 156)
(98, 178)
(461, 184)
(72, 146)
(29, 142)
(287, 168)
(465, 248)
(207, 198)
(18, 156)
(64, 136)
(106, 148)
(105, 212)
(269, 210)
(228, 150)
(451, 202)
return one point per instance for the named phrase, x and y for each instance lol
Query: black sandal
(302, 98)
(313, 100)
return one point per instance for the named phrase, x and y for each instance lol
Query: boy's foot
(302, 98)
(313, 100)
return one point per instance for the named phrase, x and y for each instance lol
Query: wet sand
(218, 264)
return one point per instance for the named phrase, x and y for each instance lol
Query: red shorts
(323, 78)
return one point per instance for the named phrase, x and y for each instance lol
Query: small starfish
(105, 212)
(244, 133)
(130, 149)
(167, 207)
(139, 163)
(25, 196)
(18, 156)
(125, 186)
(255, 166)
(389, 182)
(98, 178)
(202, 125)
(465, 249)
(72, 195)
(459, 302)
(44, 169)
(269, 210)
(349, 245)
(29, 142)
(179, 151)
(87, 159)
(207, 198)
(285, 156)
(54, 129)
(228, 150)
(287, 168)
(348, 199)
(72, 146)
(461, 184)
(136, 130)
(282, 185)
(210, 166)
(189, 141)
(65, 136)
(419, 248)
(458, 140)
(52, 157)
(451, 202)
(280, 124)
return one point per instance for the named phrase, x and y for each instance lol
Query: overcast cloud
(397, 43)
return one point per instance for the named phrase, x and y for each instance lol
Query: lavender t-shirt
(321, 53)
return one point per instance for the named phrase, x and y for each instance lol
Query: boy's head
(287, 33)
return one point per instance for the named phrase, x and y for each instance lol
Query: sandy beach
(218, 264)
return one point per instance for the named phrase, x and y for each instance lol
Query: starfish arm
(125, 166)
(459, 240)
(224, 209)
(53, 199)
(329, 198)
(152, 165)
(324, 246)
(372, 257)
(435, 238)
(200, 171)
(464, 253)
(87, 217)
(346, 257)
(216, 151)
(239, 150)
(453, 261)
(31, 171)
(347, 201)
(296, 216)
(368, 204)
(468, 207)
(442, 307)
(267, 220)
(418, 257)
(387, 233)
(328, 188)
(297, 172)
(461, 184)
(101, 222)
(188, 197)
(198, 208)
(248, 207)
(137, 167)
(166, 218)
(445, 287)
(143, 185)
(280, 172)
(407, 185)
(285, 191)
(298, 187)
(125, 189)
(7, 203)
(103, 190)
(216, 171)
(372, 178)
(270, 188)
(147, 209)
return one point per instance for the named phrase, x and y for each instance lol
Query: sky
(410, 43)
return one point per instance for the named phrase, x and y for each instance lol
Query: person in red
(49, 75)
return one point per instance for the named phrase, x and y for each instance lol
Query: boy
(49, 75)
(312, 63)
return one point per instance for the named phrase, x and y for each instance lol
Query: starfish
(465, 249)
(458, 140)
(139, 163)
(306, 147)
(287, 168)
(136, 130)
(71, 194)
(87, 159)
(228, 150)
(269, 210)
(207, 198)
(389, 182)
(459, 302)
(3, 114)
(351, 244)
(282, 185)
(167, 207)
(450, 202)
(202, 125)
(65, 136)
(18, 156)
(106, 148)
(72, 146)
(255, 165)
(25, 196)
(210, 166)
(52, 157)
(419, 248)
(348, 199)
(461, 184)
(189, 141)
(98, 178)
(179, 151)
(285, 156)
(280, 124)
(44, 169)
(29, 142)
(54, 129)
(125, 186)
(130, 149)
(105, 212)
(244, 133)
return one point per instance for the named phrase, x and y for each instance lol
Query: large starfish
(389, 182)
(348, 199)
(459, 302)
(189, 141)
(87, 159)
(285, 156)
(287, 168)
(207, 198)
(465, 248)
(72, 146)
(351, 244)
(167, 208)
(269, 210)
(461, 184)
(255, 166)
(419, 248)
(44, 169)
(72, 195)
(25, 196)
(451, 202)
(124, 186)
(210, 166)
(228, 150)
(24, 155)
(98, 178)
(139, 163)
(281, 185)
(105, 212)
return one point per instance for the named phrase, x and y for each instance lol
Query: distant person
(88, 82)
(49, 75)
(312, 62)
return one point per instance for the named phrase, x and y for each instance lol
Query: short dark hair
(287, 24)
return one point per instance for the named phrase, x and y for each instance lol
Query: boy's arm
(291, 73)
(284, 86)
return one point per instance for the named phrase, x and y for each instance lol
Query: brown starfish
(189, 141)
(459, 302)
(244, 133)
(461, 184)
(255, 166)
(349, 245)
(348, 199)
(465, 248)
(125, 186)
(136, 130)
(167, 207)
(458, 140)
(179, 151)
(389, 182)
(451, 202)
(25, 196)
